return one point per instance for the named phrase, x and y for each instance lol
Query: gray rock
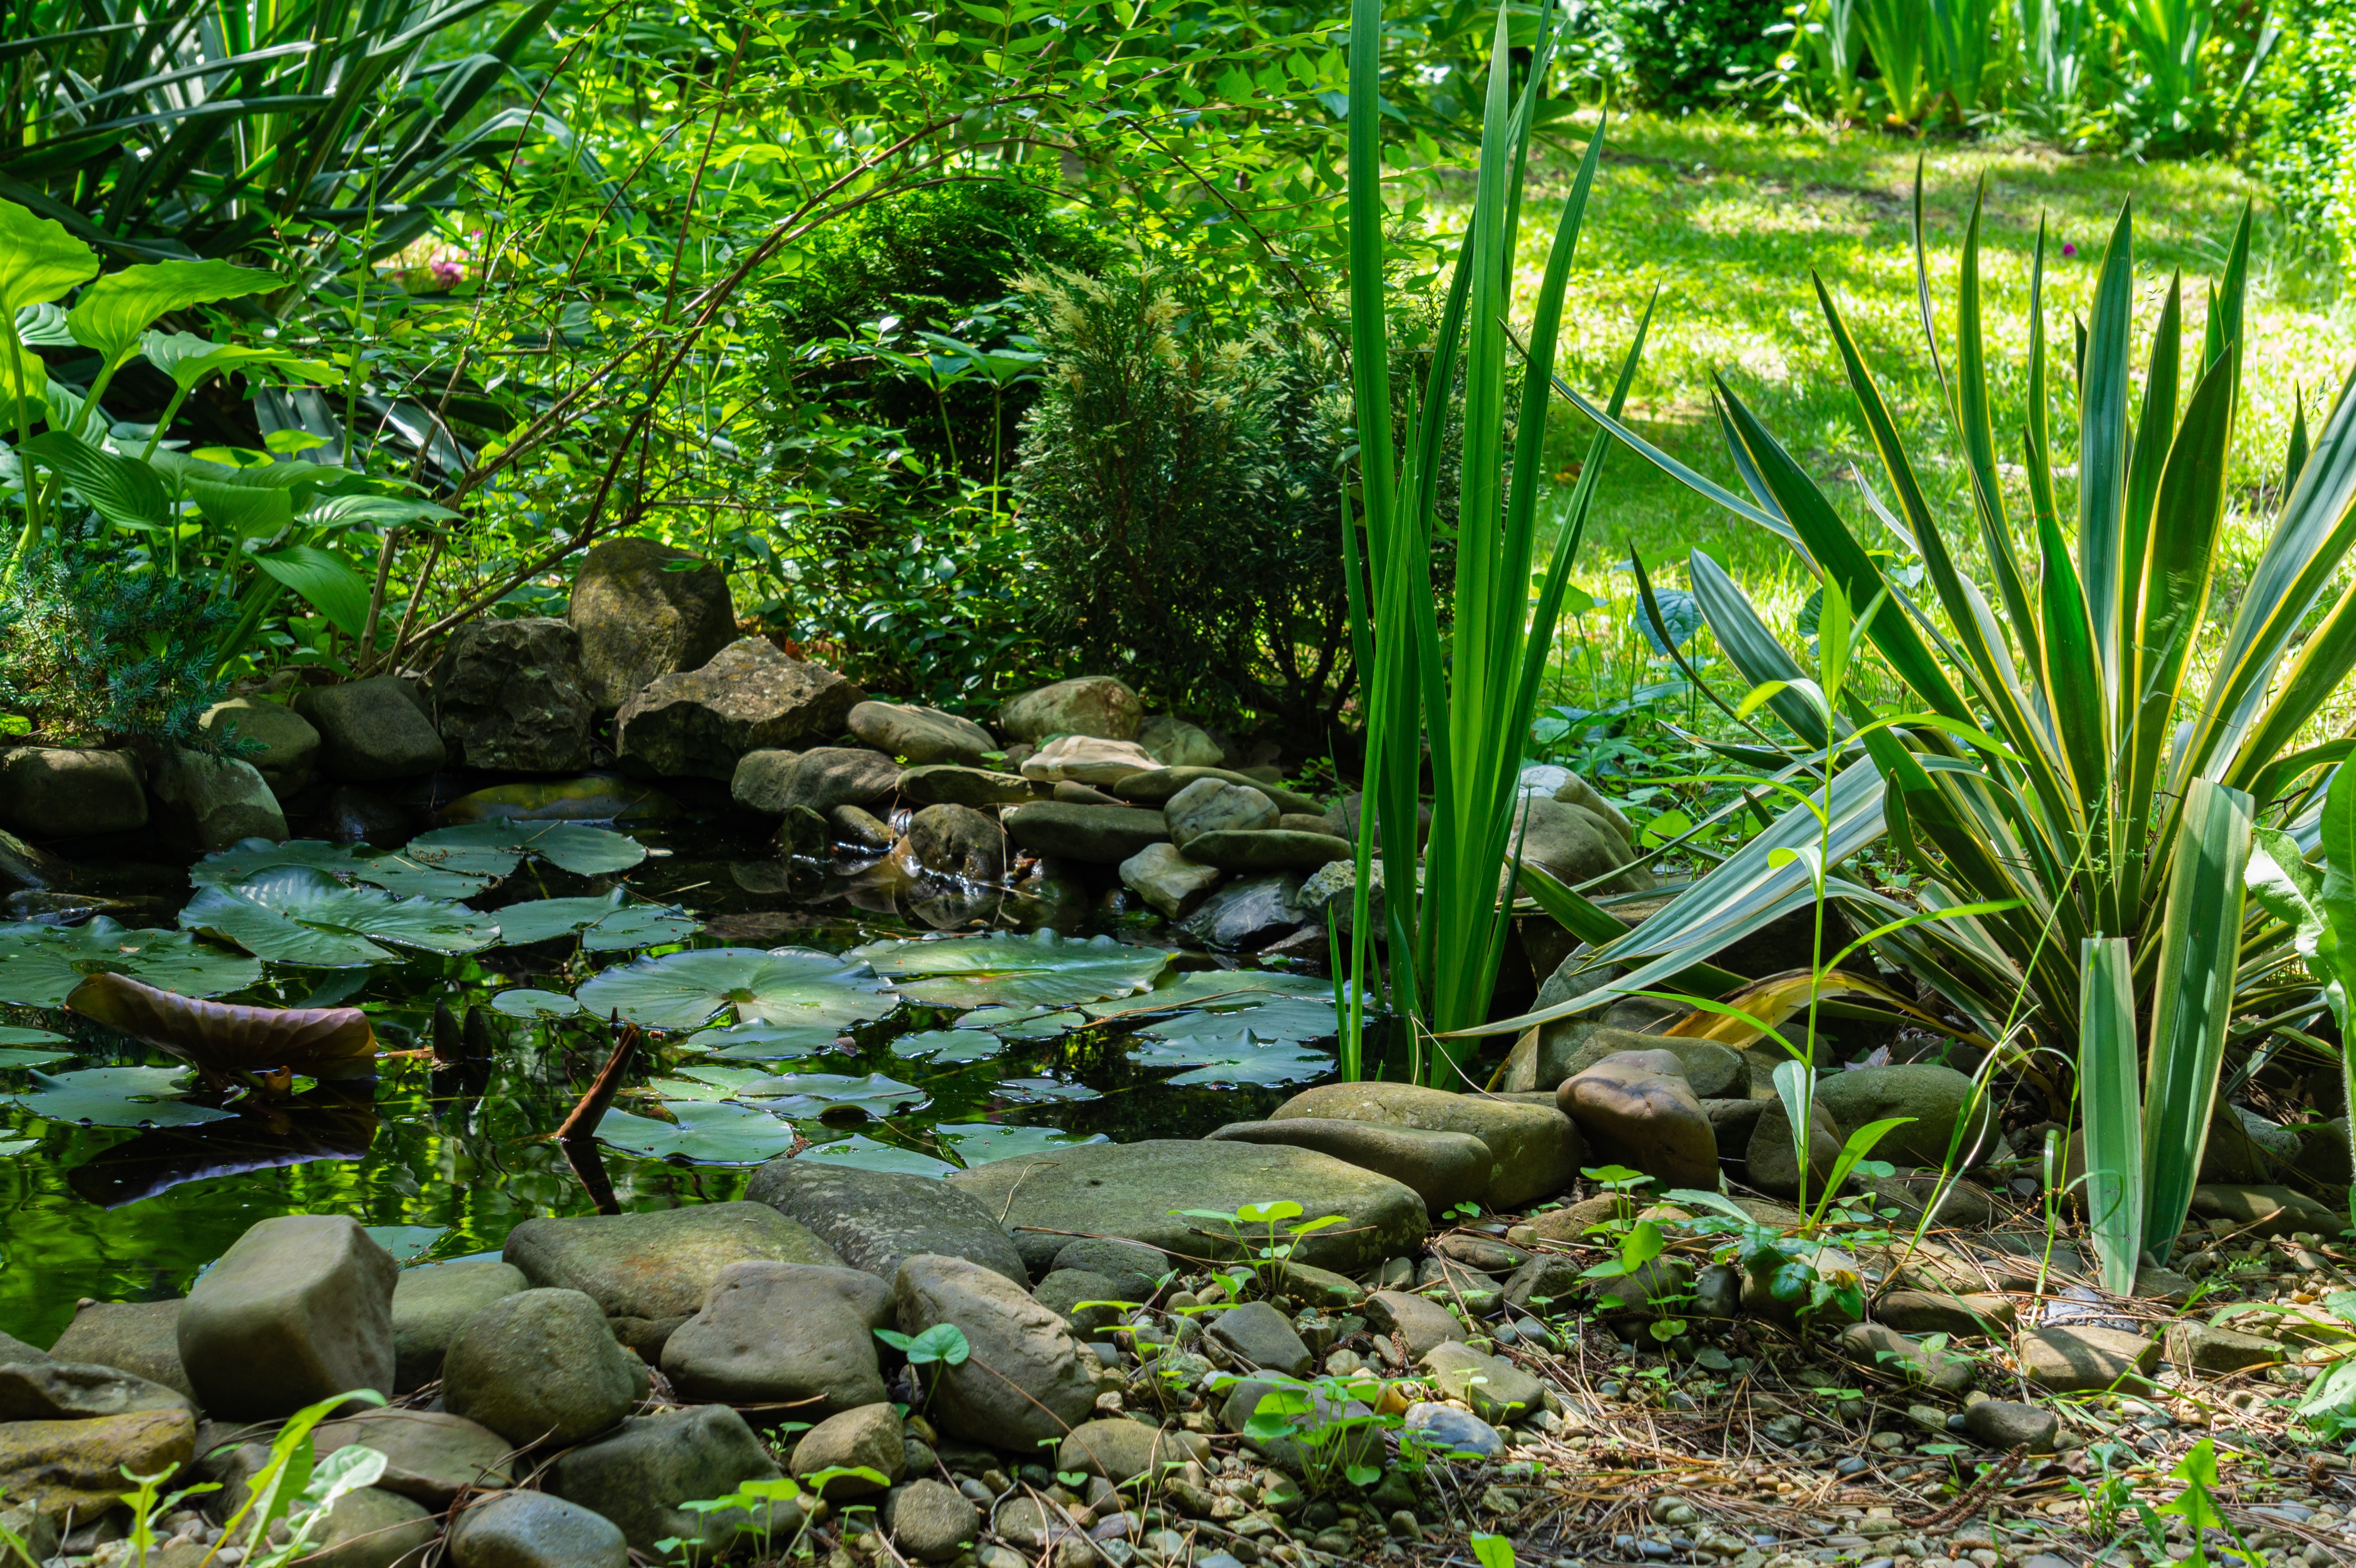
(1120, 1449)
(1940, 1312)
(1831, 1265)
(1655, 1289)
(921, 737)
(640, 614)
(66, 793)
(2265, 1210)
(1128, 1190)
(1635, 1109)
(1064, 1290)
(784, 1334)
(1248, 914)
(1171, 884)
(1024, 1381)
(2323, 1151)
(957, 841)
(1091, 704)
(1086, 760)
(1259, 1335)
(749, 697)
(1135, 1272)
(639, 1476)
(46, 1390)
(140, 1337)
(432, 1304)
(1331, 894)
(1546, 1277)
(1422, 1323)
(206, 803)
(1213, 805)
(1933, 1095)
(1274, 849)
(2221, 1351)
(946, 784)
(1711, 1070)
(299, 1308)
(1537, 1150)
(1359, 1443)
(508, 694)
(2007, 1424)
(1444, 1168)
(1094, 835)
(1772, 1164)
(370, 1528)
(822, 778)
(1881, 1349)
(1445, 1429)
(12, 1350)
(430, 1455)
(289, 745)
(2084, 1358)
(876, 1218)
(1497, 1391)
(861, 829)
(35, 1532)
(371, 730)
(1174, 742)
(656, 1264)
(538, 1367)
(1156, 787)
(1718, 1291)
(1966, 1205)
(1733, 1122)
(533, 1530)
(867, 1438)
(1575, 845)
(930, 1520)
(79, 1467)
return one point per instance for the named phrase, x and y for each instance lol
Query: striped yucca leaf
(2113, 1193)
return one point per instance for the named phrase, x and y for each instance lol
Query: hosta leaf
(39, 260)
(39, 965)
(979, 1143)
(114, 312)
(474, 847)
(703, 1134)
(326, 581)
(1044, 969)
(868, 1155)
(220, 1037)
(299, 915)
(121, 489)
(117, 1097)
(526, 1003)
(607, 923)
(946, 1046)
(765, 1042)
(188, 359)
(787, 985)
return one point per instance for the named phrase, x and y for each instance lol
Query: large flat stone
(921, 737)
(430, 1455)
(298, 1309)
(432, 1304)
(656, 1264)
(874, 1219)
(1088, 704)
(1128, 1190)
(1497, 1391)
(825, 777)
(2086, 1360)
(1096, 836)
(1273, 849)
(142, 1337)
(1537, 1149)
(1444, 1168)
(948, 784)
(749, 697)
(784, 1334)
(63, 1467)
(55, 791)
(46, 1389)
(1024, 1382)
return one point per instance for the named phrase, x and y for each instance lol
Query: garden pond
(850, 1010)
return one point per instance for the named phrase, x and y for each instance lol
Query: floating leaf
(868, 1155)
(218, 1036)
(979, 1143)
(811, 1093)
(1043, 1026)
(16, 1145)
(405, 1242)
(1043, 969)
(526, 1003)
(704, 1135)
(1040, 1090)
(14, 1057)
(117, 1097)
(946, 1046)
(785, 985)
(1236, 1061)
(16, 1034)
(345, 862)
(40, 964)
(475, 848)
(1220, 991)
(1289, 1019)
(672, 1089)
(299, 915)
(607, 923)
(765, 1042)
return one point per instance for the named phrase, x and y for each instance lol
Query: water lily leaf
(584, 800)
(785, 985)
(868, 1155)
(16, 1035)
(524, 1001)
(345, 862)
(1040, 1090)
(12, 1056)
(1043, 1026)
(297, 914)
(703, 1134)
(568, 846)
(405, 1242)
(1043, 969)
(979, 1143)
(217, 1036)
(1219, 990)
(1233, 1061)
(16, 1145)
(671, 1089)
(606, 923)
(765, 1042)
(39, 965)
(117, 1097)
(1291, 1019)
(949, 1045)
(811, 1093)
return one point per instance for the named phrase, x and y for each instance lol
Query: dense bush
(1675, 55)
(2305, 110)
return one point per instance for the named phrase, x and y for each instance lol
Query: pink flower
(2067, 249)
(448, 273)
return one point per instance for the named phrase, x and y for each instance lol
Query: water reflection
(332, 1121)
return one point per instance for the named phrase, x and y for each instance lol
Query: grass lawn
(1726, 220)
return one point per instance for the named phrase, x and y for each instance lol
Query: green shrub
(1675, 55)
(2304, 144)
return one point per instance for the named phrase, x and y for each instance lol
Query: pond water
(906, 1057)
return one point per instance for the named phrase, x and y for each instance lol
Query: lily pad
(405, 1242)
(765, 1042)
(607, 923)
(704, 1135)
(345, 861)
(1218, 1056)
(674, 1088)
(14, 1034)
(117, 1097)
(40, 964)
(1040, 1090)
(979, 1143)
(785, 985)
(1044, 1027)
(1043, 969)
(811, 1093)
(1221, 990)
(299, 915)
(16, 1057)
(868, 1155)
(524, 1001)
(949, 1045)
(475, 848)
(16, 1145)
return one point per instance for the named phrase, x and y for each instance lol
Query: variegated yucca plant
(2092, 740)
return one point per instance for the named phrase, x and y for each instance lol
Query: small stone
(657, 1267)
(52, 791)
(1064, 1291)
(299, 1308)
(2221, 1351)
(867, 1438)
(46, 1389)
(959, 842)
(430, 1455)
(1089, 705)
(372, 730)
(538, 1367)
(370, 1528)
(1772, 1163)
(860, 829)
(2007, 1424)
(1212, 805)
(1249, 913)
(139, 1337)
(1171, 884)
(1537, 1151)
(750, 697)
(1134, 1270)
(930, 1520)
(2086, 1360)
(1933, 1095)
(534, 1530)
(1086, 759)
(1174, 742)
(785, 1334)
(1121, 1450)
(876, 1219)
(920, 736)
(945, 784)
(1883, 1349)
(1094, 835)
(1452, 1431)
(641, 1474)
(1024, 1381)
(76, 1467)
(1424, 1324)
(1966, 1206)
(432, 1303)
(1497, 1391)
(1937, 1312)
(1270, 848)
(1257, 1334)
(1547, 1277)
(288, 744)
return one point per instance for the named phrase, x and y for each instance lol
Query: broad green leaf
(39, 260)
(16, 1035)
(188, 359)
(40, 964)
(765, 1042)
(492, 850)
(2113, 1114)
(525, 1002)
(1041, 1090)
(1044, 969)
(811, 1093)
(868, 1154)
(605, 924)
(979, 1143)
(704, 1135)
(792, 987)
(377, 511)
(16, 1057)
(1216, 991)
(947, 1045)
(114, 312)
(328, 582)
(117, 1097)
(121, 489)
(405, 1243)
(297, 915)
(357, 863)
